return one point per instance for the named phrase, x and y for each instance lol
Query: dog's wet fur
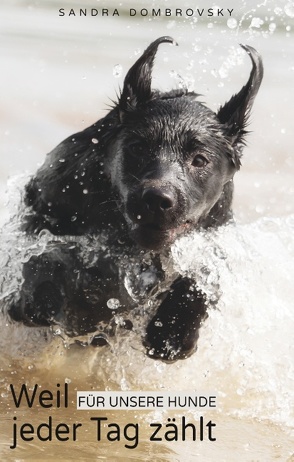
(155, 167)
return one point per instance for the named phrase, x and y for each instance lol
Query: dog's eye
(199, 161)
(136, 148)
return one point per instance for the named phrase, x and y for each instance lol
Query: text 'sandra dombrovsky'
(151, 12)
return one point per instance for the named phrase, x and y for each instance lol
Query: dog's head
(173, 157)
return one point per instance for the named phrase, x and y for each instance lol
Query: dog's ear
(234, 114)
(137, 83)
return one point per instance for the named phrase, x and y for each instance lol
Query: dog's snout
(157, 199)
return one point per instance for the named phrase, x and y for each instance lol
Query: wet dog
(156, 166)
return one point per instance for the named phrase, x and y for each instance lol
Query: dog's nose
(157, 199)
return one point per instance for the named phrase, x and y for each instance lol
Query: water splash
(245, 348)
(117, 70)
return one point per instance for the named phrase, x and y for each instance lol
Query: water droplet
(73, 218)
(113, 303)
(57, 331)
(94, 140)
(124, 384)
(278, 11)
(61, 160)
(85, 191)
(289, 9)
(256, 22)
(272, 27)
(139, 217)
(161, 367)
(117, 70)
(223, 72)
(232, 23)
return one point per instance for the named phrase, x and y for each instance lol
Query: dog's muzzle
(157, 214)
(157, 201)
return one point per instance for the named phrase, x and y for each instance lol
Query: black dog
(158, 165)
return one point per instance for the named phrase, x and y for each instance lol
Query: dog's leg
(173, 332)
(58, 288)
(42, 296)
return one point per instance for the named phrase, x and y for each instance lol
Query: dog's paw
(173, 332)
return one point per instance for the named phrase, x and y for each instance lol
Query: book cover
(64, 397)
